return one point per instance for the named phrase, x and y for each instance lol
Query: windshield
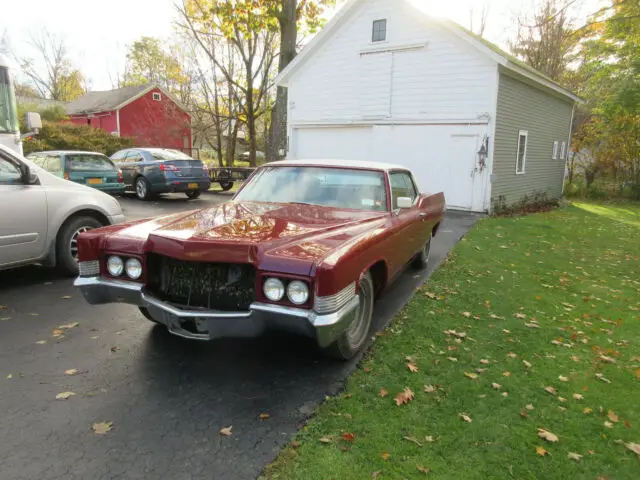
(165, 154)
(326, 186)
(8, 112)
(89, 163)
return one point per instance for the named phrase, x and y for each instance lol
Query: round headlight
(298, 292)
(273, 289)
(133, 267)
(115, 266)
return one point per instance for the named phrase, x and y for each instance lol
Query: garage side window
(521, 156)
(401, 186)
(379, 31)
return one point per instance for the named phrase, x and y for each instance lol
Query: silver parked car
(41, 215)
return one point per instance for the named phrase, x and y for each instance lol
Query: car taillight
(169, 168)
(120, 177)
(66, 175)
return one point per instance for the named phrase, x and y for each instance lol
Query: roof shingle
(104, 101)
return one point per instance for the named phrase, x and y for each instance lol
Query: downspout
(566, 153)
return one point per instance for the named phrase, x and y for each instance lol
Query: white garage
(442, 158)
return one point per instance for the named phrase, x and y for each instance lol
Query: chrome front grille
(336, 301)
(89, 268)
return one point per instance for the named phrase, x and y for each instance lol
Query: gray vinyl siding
(547, 119)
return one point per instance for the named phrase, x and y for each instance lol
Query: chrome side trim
(336, 301)
(281, 310)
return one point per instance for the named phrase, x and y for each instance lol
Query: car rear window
(166, 154)
(87, 163)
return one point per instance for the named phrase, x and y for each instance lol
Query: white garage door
(333, 143)
(441, 157)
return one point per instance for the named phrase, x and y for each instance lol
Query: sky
(98, 35)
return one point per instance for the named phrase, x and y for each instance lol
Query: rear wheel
(353, 339)
(67, 242)
(142, 188)
(422, 259)
(226, 186)
(193, 195)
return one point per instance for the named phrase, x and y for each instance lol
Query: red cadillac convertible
(305, 246)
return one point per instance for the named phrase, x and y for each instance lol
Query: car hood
(275, 237)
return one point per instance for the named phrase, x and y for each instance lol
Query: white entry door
(460, 171)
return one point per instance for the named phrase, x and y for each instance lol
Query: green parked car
(87, 168)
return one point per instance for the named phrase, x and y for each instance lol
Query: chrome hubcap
(358, 328)
(73, 243)
(141, 188)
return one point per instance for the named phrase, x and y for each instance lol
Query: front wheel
(67, 242)
(353, 339)
(193, 195)
(422, 259)
(226, 186)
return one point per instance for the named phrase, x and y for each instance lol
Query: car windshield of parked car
(89, 163)
(165, 154)
(326, 186)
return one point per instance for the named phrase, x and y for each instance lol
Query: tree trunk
(288, 38)
(251, 125)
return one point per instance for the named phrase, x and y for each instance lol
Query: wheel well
(435, 229)
(80, 213)
(379, 276)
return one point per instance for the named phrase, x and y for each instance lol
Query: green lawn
(545, 306)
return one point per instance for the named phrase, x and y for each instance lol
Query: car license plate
(95, 181)
(192, 186)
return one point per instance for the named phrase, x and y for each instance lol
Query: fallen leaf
(481, 370)
(413, 368)
(57, 332)
(577, 396)
(602, 378)
(41, 342)
(422, 469)
(349, 437)
(114, 349)
(413, 440)
(524, 414)
(375, 475)
(64, 395)
(430, 295)
(10, 376)
(505, 394)
(453, 333)
(385, 456)
(634, 447)
(66, 297)
(530, 407)
(550, 390)
(264, 416)
(562, 399)
(102, 428)
(606, 359)
(575, 358)
(612, 416)
(587, 411)
(429, 439)
(452, 359)
(527, 364)
(69, 325)
(484, 361)
(507, 374)
(563, 378)
(547, 435)
(541, 451)
(574, 456)
(532, 325)
(383, 393)
(496, 386)
(429, 389)
(470, 375)
(71, 371)
(465, 417)
(466, 314)
(404, 396)
(512, 355)
(325, 439)
(608, 424)
(520, 315)
(226, 431)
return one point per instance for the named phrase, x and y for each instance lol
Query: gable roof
(489, 49)
(108, 100)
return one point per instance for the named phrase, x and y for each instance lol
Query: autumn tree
(54, 76)
(548, 41)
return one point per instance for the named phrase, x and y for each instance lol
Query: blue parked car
(149, 171)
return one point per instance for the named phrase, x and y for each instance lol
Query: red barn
(149, 114)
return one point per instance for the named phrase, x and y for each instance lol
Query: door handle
(423, 215)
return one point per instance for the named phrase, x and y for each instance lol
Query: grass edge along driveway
(520, 358)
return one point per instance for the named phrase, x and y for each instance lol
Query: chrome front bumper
(211, 324)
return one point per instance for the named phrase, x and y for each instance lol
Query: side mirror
(34, 122)
(404, 202)
(28, 177)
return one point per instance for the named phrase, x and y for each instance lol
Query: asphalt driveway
(167, 397)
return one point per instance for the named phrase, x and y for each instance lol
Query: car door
(129, 167)
(408, 230)
(23, 226)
